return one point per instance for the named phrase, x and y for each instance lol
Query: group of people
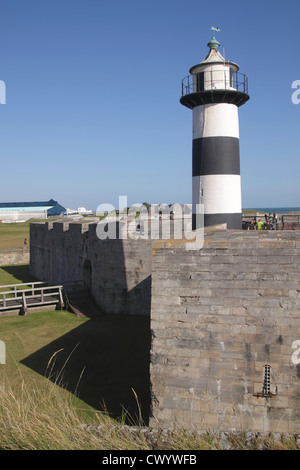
(269, 223)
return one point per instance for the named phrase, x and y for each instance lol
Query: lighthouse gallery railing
(214, 80)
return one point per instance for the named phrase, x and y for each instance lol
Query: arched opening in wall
(87, 275)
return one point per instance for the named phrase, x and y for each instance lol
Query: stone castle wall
(117, 273)
(219, 315)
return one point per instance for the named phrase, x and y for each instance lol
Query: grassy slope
(15, 274)
(96, 359)
(24, 335)
(95, 352)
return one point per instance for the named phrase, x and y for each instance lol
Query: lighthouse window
(200, 81)
(232, 78)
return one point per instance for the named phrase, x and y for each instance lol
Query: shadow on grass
(105, 362)
(17, 273)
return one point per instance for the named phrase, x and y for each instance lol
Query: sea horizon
(267, 210)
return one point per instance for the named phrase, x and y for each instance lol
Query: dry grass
(48, 418)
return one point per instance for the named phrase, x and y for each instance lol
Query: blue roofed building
(22, 211)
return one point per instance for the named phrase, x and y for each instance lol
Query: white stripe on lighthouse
(215, 120)
(220, 194)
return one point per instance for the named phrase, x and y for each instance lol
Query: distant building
(79, 211)
(84, 211)
(22, 211)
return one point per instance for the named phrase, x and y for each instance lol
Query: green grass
(23, 335)
(12, 235)
(109, 366)
(99, 363)
(16, 274)
(251, 211)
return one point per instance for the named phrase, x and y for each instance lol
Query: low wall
(218, 317)
(22, 215)
(289, 221)
(14, 256)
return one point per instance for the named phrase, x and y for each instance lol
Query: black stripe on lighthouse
(216, 165)
(232, 220)
(216, 156)
(216, 180)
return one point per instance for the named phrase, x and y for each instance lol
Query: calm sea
(278, 210)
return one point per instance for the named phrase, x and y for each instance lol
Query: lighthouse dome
(214, 57)
(215, 79)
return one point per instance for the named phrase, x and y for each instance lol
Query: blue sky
(92, 98)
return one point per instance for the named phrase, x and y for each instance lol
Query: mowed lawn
(104, 361)
(24, 335)
(12, 235)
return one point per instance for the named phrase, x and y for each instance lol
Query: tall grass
(45, 416)
(48, 418)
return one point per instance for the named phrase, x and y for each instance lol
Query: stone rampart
(226, 332)
(117, 273)
(14, 256)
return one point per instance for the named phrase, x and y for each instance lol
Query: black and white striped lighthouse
(214, 91)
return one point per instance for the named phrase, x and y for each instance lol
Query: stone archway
(87, 275)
